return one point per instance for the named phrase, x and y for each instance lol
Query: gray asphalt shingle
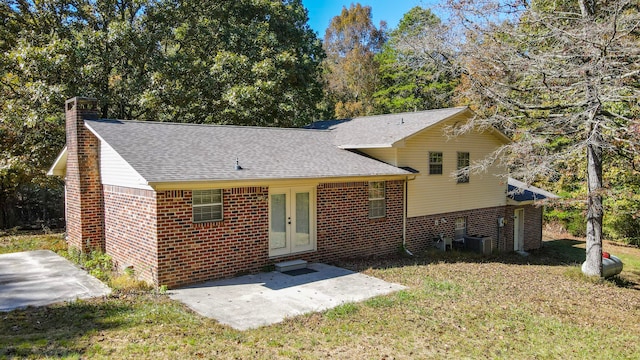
(166, 152)
(383, 130)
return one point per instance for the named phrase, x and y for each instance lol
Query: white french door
(292, 220)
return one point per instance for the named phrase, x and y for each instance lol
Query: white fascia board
(520, 185)
(364, 146)
(59, 166)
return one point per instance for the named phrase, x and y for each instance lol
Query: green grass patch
(381, 302)
(342, 311)
(566, 251)
(499, 307)
(631, 263)
(10, 243)
(446, 288)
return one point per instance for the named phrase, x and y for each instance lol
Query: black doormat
(299, 272)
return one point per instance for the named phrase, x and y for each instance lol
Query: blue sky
(391, 11)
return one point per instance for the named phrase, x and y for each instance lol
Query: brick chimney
(84, 200)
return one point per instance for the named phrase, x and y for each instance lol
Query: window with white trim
(435, 163)
(377, 203)
(463, 167)
(461, 228)
(207, 205)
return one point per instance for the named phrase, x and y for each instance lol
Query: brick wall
(194, 252)
(421, 230)
(130, 230)
(532, 226)
(191, 252)
(84, 204)
(344, 227)
(484, 222)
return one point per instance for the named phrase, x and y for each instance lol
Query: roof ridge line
(405, 113)
(155, 122)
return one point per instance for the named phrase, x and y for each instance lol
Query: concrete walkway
(252, 301)
(37, 278)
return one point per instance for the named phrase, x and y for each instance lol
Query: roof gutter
(207, 183)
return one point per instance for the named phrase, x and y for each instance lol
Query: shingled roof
(383, 130)
(168, 152)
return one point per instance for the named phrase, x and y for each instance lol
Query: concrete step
(291, 265)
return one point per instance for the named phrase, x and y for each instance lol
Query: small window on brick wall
(207, 205)
(461, 228)
(377, 203)
(435, 163)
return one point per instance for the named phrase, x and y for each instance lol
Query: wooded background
(560, 77)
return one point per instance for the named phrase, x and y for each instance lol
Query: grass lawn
(10, 243)
(457, 305)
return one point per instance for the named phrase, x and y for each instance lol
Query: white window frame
(291, 246)
(463, 170)
(441, 155)
(377, 194)
(213, 204)
(460, 226)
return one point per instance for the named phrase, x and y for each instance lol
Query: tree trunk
(593, 264)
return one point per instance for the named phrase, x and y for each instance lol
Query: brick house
(185, 203)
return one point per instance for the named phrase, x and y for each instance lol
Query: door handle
(289, 220)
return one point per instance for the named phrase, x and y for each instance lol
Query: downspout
(498, 238)
(404, 215)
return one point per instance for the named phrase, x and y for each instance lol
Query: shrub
(99, 265)
(573, 220)
(127, 283)
(96, 262)
(623, 227)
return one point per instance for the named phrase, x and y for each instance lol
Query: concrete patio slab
(37, 278)
(262, 299)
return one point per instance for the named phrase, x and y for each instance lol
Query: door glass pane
(278, 238)
(302, 219)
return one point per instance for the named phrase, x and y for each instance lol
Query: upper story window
(435, 163)
(207, 205)
(463, 167)
(377, 203)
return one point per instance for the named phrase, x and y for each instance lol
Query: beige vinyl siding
(434, 194)
(114, 170)
(388, 155)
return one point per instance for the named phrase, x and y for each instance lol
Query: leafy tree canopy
(406, 83)
(561, 78)
(351, 71)
(238, 62)
(247, 62)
